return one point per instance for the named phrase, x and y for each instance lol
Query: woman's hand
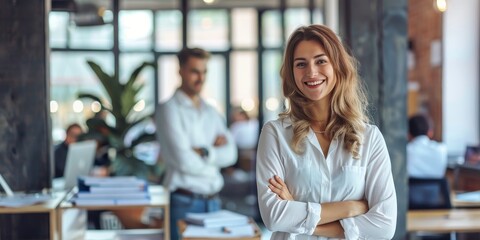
(280, 188)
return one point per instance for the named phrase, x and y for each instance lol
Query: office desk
(443, 221)
(159, 197)
(49, 207)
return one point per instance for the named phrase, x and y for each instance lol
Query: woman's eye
(300, 65)
(321, 61)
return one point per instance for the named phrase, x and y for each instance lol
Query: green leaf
(94, 98)
(133, 124)
(113, 88)
(123, 98)
(136, 72)
(91, 96)
(146, 137)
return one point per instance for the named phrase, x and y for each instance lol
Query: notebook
(80, 158)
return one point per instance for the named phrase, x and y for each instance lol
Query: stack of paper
(469, 196)
(230, 232)
(95, 191)
(222, 218)
(220, 224)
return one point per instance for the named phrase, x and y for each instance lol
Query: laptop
(472, 156)
(12, 199)
(80, 158)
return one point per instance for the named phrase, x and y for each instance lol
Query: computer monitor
(80, 158)
(472, 156)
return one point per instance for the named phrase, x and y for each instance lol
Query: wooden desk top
(47, 206)
(159, 197)
(443, 221)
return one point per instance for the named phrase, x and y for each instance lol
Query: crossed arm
(329, 224)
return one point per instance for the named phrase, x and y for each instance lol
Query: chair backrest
(429, 193)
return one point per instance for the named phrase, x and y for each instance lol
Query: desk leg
(166, 222)
(59, 223)
(53, 224)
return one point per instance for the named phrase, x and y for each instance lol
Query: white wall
(461, 75)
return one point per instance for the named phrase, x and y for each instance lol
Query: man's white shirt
(181, 127)
(426, 158)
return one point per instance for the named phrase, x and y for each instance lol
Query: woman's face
(313, 71)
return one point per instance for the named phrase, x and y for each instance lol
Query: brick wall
(424, 28)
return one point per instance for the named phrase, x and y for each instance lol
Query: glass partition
(244, 28)
(136, 30)
(271, 29)
(128, 63)
(168, 27)
(58, 23)
(214, 90)
(71, 75)
(244, 81)
(169, 79)
(208, 29)
(272, 85)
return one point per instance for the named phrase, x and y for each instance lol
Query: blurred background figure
(98, 130)
(426, 158)
(239, 193)
(73, 131)
(244, 129)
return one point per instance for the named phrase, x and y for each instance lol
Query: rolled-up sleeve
(224, 155)
(280, 215)
(176, 147)
(380, 221)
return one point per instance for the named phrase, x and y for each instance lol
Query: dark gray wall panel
(25, 143)
(376, 32)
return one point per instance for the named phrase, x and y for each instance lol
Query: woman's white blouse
(313, 180)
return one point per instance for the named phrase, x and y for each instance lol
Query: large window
(242, 62)
(71, 75)
(246, 45)
(136, 30)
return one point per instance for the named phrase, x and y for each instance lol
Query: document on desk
(220, 232)
(468, 197)
(222, 218)
(21, 200)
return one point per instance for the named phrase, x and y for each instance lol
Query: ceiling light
(441, 5)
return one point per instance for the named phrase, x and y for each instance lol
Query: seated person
(72, 133)
(426, 158)
(244, 129)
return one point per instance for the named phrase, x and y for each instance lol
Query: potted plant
(122, 99)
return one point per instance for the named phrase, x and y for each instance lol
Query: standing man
(426, 158)
(73, 131)
(195, 142)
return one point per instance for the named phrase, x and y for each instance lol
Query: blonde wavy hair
(348, 114)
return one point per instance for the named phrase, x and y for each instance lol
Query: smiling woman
(313, 71)
(321, 163)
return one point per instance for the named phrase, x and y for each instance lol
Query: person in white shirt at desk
(195, 143)
(322, 171)
(426, 158)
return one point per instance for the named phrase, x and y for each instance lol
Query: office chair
(430, 193)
